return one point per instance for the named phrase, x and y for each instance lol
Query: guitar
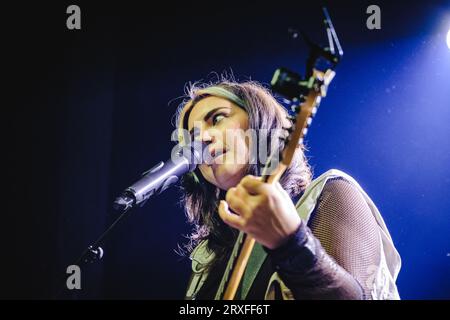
(305, 95)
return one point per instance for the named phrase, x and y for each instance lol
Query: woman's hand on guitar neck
(262, 210)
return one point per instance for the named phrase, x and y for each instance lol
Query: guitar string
(239, 241)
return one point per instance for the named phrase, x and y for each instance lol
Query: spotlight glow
(448, 39)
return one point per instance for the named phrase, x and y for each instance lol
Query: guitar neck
(317, 89)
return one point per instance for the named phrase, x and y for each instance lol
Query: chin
(227, 176)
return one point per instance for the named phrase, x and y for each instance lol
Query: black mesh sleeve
(332, 257)
(347, 230)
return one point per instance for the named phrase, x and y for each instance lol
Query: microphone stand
(95, 252)
(155, 180)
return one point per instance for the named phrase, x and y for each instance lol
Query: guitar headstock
(304, 94)
(305, 110)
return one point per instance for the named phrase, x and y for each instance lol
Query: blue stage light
(448, 39)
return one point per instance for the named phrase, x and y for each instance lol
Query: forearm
(309, 272)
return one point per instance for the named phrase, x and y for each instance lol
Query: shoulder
(327, 186)
(339, 185)
(336, 174)
(342, 199)
(338, 180)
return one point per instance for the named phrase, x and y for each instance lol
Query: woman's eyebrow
(207, 116)
(211, 112)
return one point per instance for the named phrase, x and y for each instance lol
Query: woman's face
(221, 124)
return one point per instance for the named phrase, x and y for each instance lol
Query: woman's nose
(206, 136)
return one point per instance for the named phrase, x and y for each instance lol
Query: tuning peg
(295, 108)
(323, 90)
(305, 131)
(299, 100)
(318, 100)
(328, 76)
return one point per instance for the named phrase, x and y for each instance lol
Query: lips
(214, 154)
(217, 153)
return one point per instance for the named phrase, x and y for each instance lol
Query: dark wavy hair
(201, 198)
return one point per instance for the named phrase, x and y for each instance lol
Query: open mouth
(214, 156)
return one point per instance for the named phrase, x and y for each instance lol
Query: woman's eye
(216, 118)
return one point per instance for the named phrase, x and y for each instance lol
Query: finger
(237, 191)
(230, 218)
(253, 185)
(237, 203)
(241, 192)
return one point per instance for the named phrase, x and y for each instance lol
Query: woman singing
(316, 239)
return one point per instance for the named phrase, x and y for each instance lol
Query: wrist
(297, 253)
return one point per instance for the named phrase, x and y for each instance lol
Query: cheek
(236, 137)
(207, 173)
(240, 148)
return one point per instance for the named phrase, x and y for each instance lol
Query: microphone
(160, 177)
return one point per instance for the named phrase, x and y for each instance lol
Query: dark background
(86, 111)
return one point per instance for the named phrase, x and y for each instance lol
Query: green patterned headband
(222, 93)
